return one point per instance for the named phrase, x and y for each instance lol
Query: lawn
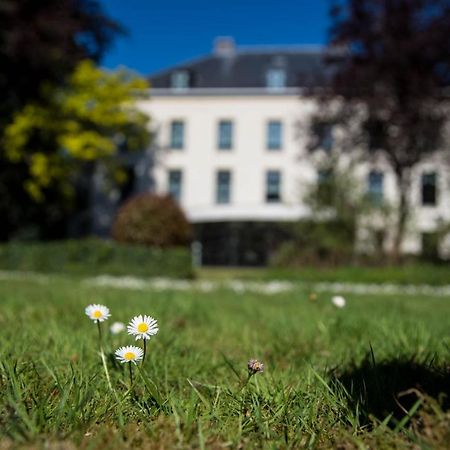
(412, 273)
(373, 374)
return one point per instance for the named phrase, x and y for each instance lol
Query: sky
(162, 33)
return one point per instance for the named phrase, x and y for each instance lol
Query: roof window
(180, 79)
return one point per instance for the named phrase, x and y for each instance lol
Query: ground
(373, 374)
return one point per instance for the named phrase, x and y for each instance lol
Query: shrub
(153, 221)
(94, 256)
(326, 243)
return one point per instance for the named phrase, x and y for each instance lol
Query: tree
(42, 41)
(389, 88)
(339, 211)
(91, 118)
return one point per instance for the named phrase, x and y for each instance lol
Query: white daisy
(97, 313)
(130, 353)
(338, 301)
(143, 327)
(117, 327)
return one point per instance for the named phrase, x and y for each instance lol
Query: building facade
(230, 145)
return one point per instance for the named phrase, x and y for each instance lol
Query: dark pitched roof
(248, 68)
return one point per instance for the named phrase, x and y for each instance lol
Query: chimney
(224, 46)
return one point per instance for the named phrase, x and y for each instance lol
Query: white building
(229, 147)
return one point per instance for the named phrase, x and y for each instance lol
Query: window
(324, 176)
(174, 184)
(429, 191)
(273, 186)
(177, 134)
(274, 135)
(180, 79)
(225, 135)
(276, 78)
(325, 188)
(223, 186)
(324, 134)
(375, 187)
(375, 130)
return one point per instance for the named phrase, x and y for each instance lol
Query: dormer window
(276, 78)
(180, 79)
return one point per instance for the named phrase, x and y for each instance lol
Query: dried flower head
(255, 366)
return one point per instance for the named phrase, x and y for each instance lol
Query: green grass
(334, 378)
(414, 273)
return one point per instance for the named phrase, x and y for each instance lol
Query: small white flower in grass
(117, 327)
(129, 354)
(143, 327)
(97, 313)
(338, 301)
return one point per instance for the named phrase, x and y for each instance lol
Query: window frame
(374, 196)
(172, 143)
(225, 145)
(178, 74)
(178, 196)
(270, 72)
(325, 180)
(267, 189)
(269, 143)
(423, 186)
(218, 191)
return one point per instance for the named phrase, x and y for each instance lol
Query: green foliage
(43, 41)
(152, 220)
(384, 108)
(329, 242)
(192, 395)
(339, 211)
(91, 118)
(91, 257)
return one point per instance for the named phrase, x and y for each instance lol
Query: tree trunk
(402, 213)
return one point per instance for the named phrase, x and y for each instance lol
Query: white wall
(249, 160)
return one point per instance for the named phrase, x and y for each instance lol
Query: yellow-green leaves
(78, 123)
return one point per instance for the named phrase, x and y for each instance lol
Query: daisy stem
(102, 354)
(145, 350)
(131, 374)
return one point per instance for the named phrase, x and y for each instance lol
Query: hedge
(94, 256)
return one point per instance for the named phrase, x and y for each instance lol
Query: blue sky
(163, 33)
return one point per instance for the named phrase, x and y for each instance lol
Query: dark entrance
(239, 243)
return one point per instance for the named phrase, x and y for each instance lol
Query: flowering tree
(89, 118)
(41, 43)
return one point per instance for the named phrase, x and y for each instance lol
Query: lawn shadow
(392, 387)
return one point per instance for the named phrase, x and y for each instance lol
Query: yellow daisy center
(97, 314)
(142, 327)
(129, 356)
